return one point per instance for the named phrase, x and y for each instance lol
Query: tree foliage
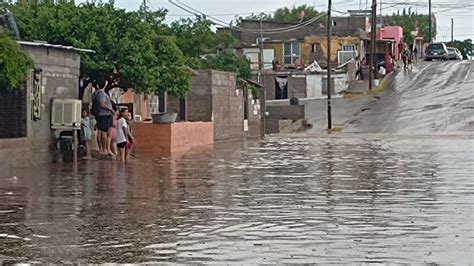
(464, 46)
(293, 14)
(151, 56)
(14, 64)
(193, 36)
(120, 39)
(173, 76)
(411, 21)
(227, 60)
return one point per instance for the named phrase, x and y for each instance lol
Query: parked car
(454, 54)
(437, 51)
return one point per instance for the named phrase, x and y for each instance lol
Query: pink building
(394, 33)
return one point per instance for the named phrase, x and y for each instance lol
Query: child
(123, 135)
(131, 140)
(86, 133)
(113, 132)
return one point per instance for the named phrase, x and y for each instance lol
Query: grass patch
(379, 89)
(335, 130)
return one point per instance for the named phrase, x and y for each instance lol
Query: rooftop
(57, 46)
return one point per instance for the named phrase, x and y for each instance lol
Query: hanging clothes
(281, 88)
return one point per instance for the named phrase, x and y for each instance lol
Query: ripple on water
(347, 199)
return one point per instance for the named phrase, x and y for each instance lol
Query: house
(297, 45)
(25, 125)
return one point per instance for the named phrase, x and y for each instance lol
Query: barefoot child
(123, 135)
(86, 133)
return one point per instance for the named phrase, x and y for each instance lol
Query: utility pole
(373, 33)
(381, 16)
(429, 21)
(261, 67)
(144, 9)
(329, 65)
(452, 31)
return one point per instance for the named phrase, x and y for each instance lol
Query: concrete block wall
(200, 97)
(227, 106)
(254, 119)
(277, 113)
(297, 87)
(60, 79)
(213, 97)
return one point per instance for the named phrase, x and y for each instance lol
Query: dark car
(436, 51)
(454, 54)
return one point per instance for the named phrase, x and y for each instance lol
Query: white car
(454, 54)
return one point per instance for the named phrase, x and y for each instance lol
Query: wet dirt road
(434, 97)
(390, 197)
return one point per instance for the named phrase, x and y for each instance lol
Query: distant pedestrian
(401, 49)
(358, 70)
(415, 53)
(405, 59)
(410, 61)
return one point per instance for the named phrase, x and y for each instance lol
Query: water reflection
(376, 198)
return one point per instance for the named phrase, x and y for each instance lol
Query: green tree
(14, 64)
(465, 47)
(173, 76)
(227, 60)
(411, 21)
(193, 36)
(124, 40)
(225, 39)
(293, 14)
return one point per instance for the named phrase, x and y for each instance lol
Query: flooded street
(395, 187)
(348, 198)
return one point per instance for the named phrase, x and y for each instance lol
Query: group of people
(408, 58)
(114, 137)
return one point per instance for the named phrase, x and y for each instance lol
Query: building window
(292, 52)
(348, 47)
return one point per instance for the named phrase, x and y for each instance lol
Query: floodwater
(397, 189)
(287, 199)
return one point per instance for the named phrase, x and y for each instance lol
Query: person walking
(405, 55)
(358, 70)
(415, 52)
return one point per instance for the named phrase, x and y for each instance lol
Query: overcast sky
(461, 10)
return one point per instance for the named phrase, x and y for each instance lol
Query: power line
(198, 13)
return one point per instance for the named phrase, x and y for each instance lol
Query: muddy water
(349, 198)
